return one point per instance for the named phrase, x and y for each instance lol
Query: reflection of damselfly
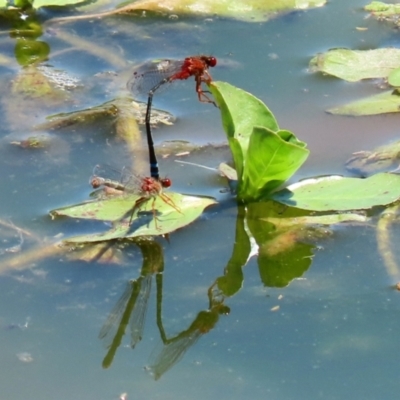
(130, 310)
(146, 188)
(150, 76)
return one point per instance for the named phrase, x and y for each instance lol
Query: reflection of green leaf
(282, 256)
(264, 156)
(28, 52)
(232, 280)
(283, 236)
(387, 102)
(329, 219)
(340, 193)
(32, 83)
(278, 270)
(354, 65)
(153, 217)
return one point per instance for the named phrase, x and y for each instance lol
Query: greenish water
(331, 334)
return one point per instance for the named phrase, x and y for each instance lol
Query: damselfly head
(165, 182)
(209, 61)
(96, 182)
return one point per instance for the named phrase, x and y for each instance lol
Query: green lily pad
(383, 103)
(341, 193)
(394, 78)
(381, 9)
(244, 10)
(354, 65)
(156, 216)
(55, 3)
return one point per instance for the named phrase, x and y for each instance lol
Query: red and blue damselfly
(146, 188)
(150, 76)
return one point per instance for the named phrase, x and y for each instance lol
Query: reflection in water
(132, 306)
(278, 266)
(131, 310)
(174, 349)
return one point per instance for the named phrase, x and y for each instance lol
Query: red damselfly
(146, 188)
(150, 76)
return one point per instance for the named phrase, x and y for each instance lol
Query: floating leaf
(382, 158)
(354, 65)
(154, 217)
(381, 9)
(52, 3)
(341, 193)
(245, 10)
(394, 77)
(386, 102)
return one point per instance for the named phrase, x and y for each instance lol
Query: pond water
(331, 334)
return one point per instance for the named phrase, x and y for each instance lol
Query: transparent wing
(115, 318)
(138, 316)
(149, 74)
(171, 353)
(123, 179)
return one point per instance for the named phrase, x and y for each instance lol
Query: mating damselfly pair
(147, 79)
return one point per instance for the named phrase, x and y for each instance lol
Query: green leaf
(244, 10)
(273, 160)
(264, 156)
(51, 3)
(232, 280)
(354, 65)
(340, 193)
(387, 102)
(155, 216)
(381, 9)
(241, 111)
(394, 77)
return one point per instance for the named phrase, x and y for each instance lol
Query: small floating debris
(25, 357)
